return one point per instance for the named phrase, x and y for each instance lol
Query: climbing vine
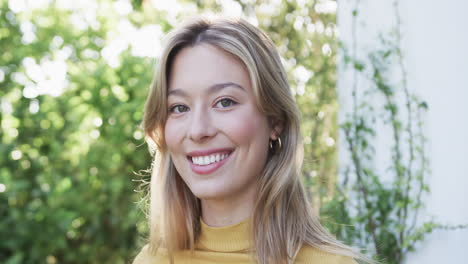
(383, 214)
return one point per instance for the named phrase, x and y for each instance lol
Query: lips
(207, 152)
(210, 168)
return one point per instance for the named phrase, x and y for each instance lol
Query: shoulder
(145, 256)
(309, 255)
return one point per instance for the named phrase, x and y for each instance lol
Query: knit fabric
(228, 245)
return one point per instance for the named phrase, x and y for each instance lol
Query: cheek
(171, 136)
(246, 127)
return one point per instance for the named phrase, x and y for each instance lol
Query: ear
(276, 129)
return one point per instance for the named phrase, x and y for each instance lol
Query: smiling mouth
(209, 159)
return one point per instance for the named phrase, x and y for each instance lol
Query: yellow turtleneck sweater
(229, 245)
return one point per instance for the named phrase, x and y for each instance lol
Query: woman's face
(216, 136)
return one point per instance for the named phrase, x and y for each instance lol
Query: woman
(226, 182)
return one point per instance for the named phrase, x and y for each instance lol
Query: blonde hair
(283, 219)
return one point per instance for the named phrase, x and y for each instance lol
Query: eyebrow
(212, 89)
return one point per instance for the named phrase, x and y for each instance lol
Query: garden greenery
(73, 80)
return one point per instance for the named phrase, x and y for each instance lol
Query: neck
(224, 212)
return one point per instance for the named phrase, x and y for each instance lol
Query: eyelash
(172, 108)
(227, 99)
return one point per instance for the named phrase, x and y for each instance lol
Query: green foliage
(70, 142)
(67, 161)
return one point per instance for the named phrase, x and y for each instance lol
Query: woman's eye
(178, 109)
(226, 102)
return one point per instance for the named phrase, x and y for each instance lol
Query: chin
(207, 193)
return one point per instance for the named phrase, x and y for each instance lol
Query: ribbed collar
(231, 238)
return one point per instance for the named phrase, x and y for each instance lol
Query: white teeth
(205, 160)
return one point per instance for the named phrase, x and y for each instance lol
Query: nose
(201, 126)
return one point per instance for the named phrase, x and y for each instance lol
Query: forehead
(203, 65)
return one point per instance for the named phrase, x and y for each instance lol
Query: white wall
(435, 44)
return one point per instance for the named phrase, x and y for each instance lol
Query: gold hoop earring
(279, 144)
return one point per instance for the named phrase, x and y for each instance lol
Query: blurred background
(381, 85)
(73, 80)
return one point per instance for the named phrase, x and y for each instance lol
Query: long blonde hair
(283, 219)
